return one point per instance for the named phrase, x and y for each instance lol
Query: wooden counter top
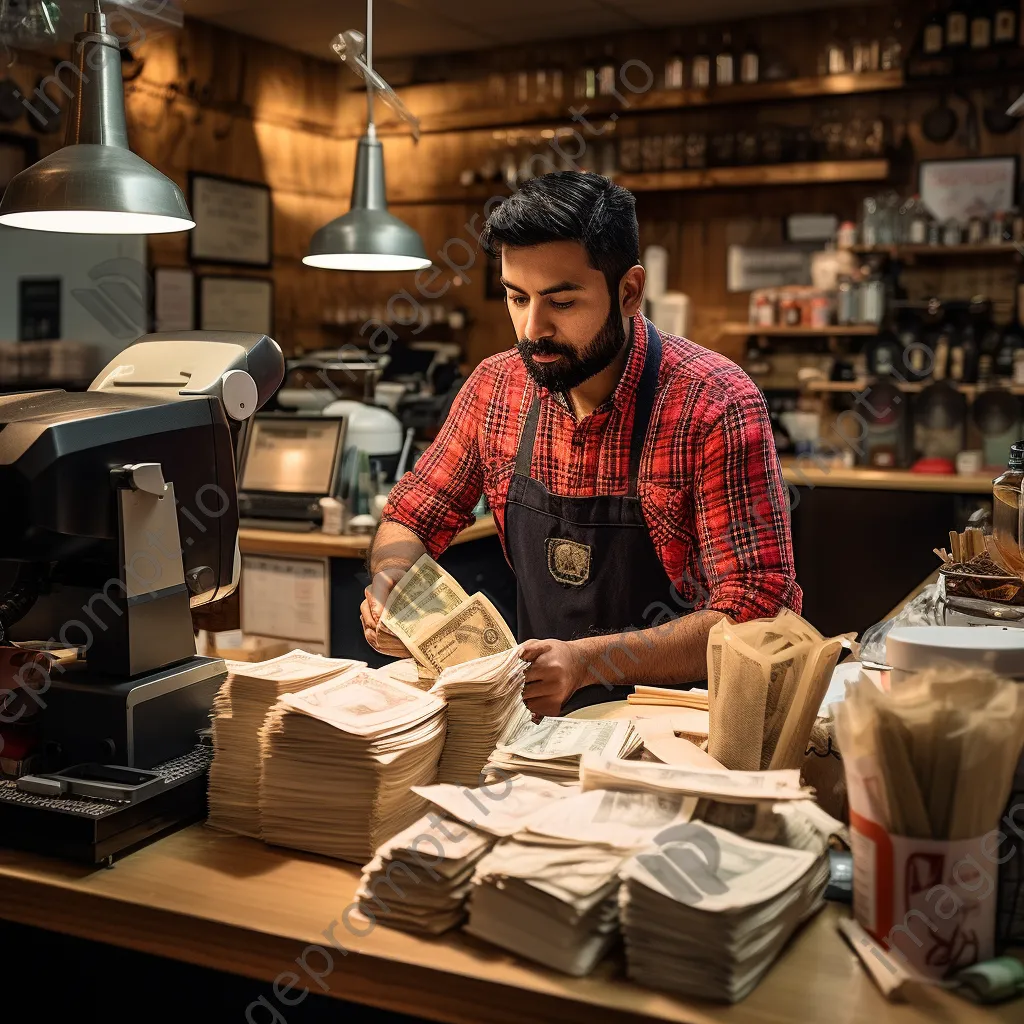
(237, 905)
(322, 545)
(805, 473)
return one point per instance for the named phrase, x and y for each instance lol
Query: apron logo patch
(568, 561)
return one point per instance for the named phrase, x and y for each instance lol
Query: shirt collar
(624, 391)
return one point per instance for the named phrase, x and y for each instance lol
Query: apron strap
(643, 405)
(642, 409)
(524, 455)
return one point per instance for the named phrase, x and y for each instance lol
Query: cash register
(118, 516)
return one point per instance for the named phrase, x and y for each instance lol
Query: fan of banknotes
(339, 759)
(553, 747)
(238, 712)
(439, 623)
(420, 879)
(705, 912)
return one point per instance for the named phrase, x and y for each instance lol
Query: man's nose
(538, 322)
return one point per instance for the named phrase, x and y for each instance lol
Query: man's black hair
(571, 206)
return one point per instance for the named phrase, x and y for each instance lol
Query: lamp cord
(371, 129)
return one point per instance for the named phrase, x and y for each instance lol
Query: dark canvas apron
(585, 566)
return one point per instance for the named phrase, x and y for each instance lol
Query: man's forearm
(674, 652)
(395, 549)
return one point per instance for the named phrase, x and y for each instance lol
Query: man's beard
(574, 367)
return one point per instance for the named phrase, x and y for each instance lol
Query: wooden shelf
(749, 330)
(816, 172)
(908, 387)
(652, 100)
(941, 251)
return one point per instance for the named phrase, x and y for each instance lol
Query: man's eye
(518, 300)
(562, 305)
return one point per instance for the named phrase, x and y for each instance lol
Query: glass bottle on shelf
(541, 79)
(586, 79)
(522, 86)
(956, 28)
(916, 358)
(980, 32)
(1006, 509)
(725, 62)
(891, 56)
(606, 84)
(700, 65)
(933, 36)
(1011, 341)
(836, 60)
(1004, 23)
(674, 77)
(750, 64)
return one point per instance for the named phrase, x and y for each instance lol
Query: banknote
(412, 618)
(474, 630)
(423, 595)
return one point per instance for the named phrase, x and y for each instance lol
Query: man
(632, 475)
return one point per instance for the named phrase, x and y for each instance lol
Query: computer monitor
(297, 455)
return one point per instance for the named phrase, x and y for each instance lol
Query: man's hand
(372, 608)
(557, 670)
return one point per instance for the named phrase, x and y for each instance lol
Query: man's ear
(631, 290)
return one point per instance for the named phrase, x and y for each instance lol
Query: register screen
(295, 456)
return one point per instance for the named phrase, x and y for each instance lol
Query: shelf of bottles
(783, 331)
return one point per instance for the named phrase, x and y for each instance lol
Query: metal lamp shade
(367, 237)
(95, 184)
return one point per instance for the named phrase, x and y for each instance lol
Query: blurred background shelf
(779, 331)
(811, 173)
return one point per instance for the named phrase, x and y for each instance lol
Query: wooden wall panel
(213, 101)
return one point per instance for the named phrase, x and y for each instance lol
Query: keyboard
(291, 525)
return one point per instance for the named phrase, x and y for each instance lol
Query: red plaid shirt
(710, 487)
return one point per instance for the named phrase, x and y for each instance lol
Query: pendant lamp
(95, 184)
(368, 237)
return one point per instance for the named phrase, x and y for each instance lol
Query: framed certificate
(233, 221)
(976, 186)
(236, 304)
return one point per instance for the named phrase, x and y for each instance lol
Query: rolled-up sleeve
(742, 513)
(435, 500)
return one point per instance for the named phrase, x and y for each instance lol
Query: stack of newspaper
(484, 698)
(238, 712)
(439, 623)
(339, 760)
(420, 879)
(552, 748)
(705, 912)
(553, 904)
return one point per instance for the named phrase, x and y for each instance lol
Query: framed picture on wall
(234, 221)
(961, 189)
(236, 304)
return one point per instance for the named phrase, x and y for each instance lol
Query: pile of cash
(552, 748)
(484, 698)
(420, 879)
(439, 623)
(705, 912)
(238, 712)
(339, 759)
(553, 904)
